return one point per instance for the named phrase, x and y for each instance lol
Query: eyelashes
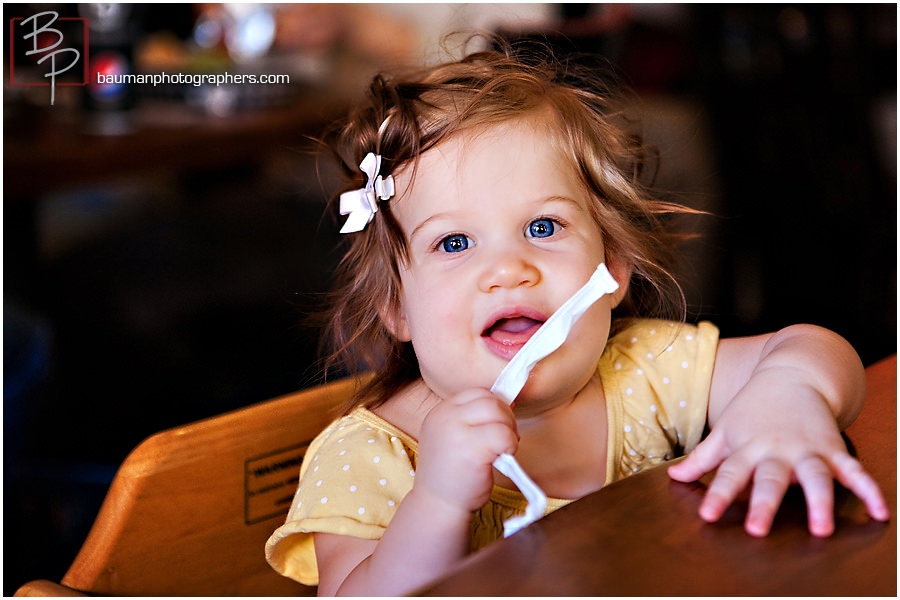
(543, 227)
(454, 243)
(540, 228)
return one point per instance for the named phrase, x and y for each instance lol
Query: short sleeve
(354, 477)
(657, 377)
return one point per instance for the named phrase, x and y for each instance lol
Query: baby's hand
(460, 439)
(775, 448)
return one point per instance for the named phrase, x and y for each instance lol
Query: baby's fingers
(730, 480)
(852, 476)
(703, 459)
(770, 483)
(815, 478)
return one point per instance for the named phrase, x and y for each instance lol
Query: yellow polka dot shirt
(656, 377)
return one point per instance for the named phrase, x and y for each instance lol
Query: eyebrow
(563, 200)
(544, 201)
(420, 226)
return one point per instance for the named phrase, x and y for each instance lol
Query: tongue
(513, 331)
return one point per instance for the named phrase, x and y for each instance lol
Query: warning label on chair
(270, 482)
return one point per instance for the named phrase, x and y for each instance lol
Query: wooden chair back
(190, 509)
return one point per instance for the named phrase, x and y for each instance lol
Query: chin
(552, 386)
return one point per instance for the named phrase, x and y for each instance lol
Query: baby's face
(500, 236)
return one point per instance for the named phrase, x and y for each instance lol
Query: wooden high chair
(190, 509)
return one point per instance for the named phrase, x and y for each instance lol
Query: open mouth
(512, 331)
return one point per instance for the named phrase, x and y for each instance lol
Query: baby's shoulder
(359, 433)
(668, 350)
(658, 336)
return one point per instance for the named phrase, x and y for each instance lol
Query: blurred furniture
(191, 508)
(222, 203)
(48, 151)
(642, 537)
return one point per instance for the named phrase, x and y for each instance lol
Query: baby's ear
(621, 272)
(394, 319)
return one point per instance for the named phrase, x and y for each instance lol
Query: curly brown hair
(406, 115)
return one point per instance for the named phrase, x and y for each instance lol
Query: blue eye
(542, 228)
(456, 243)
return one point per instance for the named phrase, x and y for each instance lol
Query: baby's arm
(459, 441)
(777, 405)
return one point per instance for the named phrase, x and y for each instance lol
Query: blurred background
(162, 245)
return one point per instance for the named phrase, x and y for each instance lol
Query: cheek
(432, 311)
(592, 329)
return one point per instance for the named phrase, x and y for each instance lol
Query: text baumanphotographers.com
(195, 79)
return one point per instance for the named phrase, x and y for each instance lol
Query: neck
(563, 448)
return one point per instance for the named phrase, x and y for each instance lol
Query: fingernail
(756, 531)
(708, 513)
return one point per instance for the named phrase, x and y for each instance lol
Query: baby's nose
(509, 270)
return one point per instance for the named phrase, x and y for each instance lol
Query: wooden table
(642, 537)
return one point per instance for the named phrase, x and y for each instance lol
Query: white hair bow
(361, 204)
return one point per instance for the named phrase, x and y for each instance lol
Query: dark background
(154, 300)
